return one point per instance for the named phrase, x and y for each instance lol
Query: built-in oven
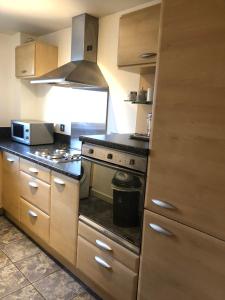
(112, 199)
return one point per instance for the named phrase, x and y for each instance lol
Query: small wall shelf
(139, 102)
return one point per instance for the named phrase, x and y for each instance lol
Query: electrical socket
(62, 127)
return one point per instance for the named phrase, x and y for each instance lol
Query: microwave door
(18, 132)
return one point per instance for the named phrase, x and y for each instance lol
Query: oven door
(113, 198)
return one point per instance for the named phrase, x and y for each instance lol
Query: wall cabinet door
(187, 161)
(138, 37)
(178, 262)
(64, 215)
(35, 59)
(10, 187)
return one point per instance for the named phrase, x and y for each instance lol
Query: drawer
(109, 276)
(10, 162)
(35, 170)
(110, 247)
(34, 219)
(35, 191)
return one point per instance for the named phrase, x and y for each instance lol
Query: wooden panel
(114, 282)
(64, 215)
(11, 183)
(46, 58)
(34, 219)
(35, 59)
(35, 170)
(25, 58)
(187, 265)
(35, 191)
(187, 161)
(138, 34)
(118, 252)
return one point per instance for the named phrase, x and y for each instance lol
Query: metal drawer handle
(59, 181)
(102, 263)
(33, 184)
(32, 214)
(148, 55)
(163, 204)
(33, 170)
(160, 229)
(103, 245)
(10, 159)
(24, 71)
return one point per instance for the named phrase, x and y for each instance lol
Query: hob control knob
(109, 156)
(132, 162)
(90, 151)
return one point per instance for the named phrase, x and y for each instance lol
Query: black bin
(126, 195)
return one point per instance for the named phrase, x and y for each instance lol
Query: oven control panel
(124, 159)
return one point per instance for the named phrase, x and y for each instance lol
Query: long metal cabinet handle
(163, 204)
(59, 181)
(103, 245)
(32, 214)
(102, 263)
(10, 159)
(148, 55)
(160, 229)
(33, 184)
(33, 170)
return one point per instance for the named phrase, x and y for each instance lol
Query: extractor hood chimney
(82, 72)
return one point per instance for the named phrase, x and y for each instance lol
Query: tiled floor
(27, 273)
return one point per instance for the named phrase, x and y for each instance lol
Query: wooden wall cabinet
(10, 188)
(179, 262)
(64, 215)
(138, 37)
(34, 59)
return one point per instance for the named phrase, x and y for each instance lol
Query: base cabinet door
(10, 187)
(64, 216)
(179, 262)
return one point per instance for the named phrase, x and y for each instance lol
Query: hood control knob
(132, 162)
(109, 156)
(90, 151)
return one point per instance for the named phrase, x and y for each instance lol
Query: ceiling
(39, 17)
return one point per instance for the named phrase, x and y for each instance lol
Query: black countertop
(71, 169)
(118, 141)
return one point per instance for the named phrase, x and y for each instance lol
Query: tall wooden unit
(184, 232)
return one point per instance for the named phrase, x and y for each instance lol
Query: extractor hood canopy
(82, 72)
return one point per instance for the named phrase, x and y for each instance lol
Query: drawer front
(10, 163)
(179, 262)
(34, 219)
(35, 170)
(35, 191)
(109, 247)
(114, 279)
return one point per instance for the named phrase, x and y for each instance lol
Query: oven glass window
(18, 130)
(113, 198)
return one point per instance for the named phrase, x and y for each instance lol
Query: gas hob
(57, 155)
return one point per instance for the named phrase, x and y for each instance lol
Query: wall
(19, 99)
(122, 115)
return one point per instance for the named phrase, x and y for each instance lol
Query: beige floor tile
(27, 293)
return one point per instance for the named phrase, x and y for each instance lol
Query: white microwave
(32, 132)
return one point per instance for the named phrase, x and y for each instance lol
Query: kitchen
(95, 216)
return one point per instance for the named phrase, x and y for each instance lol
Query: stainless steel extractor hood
(82, 72)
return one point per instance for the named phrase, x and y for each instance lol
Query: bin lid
(126, 180)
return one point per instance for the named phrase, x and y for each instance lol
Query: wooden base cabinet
(179, 262)
(11, 182)
(64, 216)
